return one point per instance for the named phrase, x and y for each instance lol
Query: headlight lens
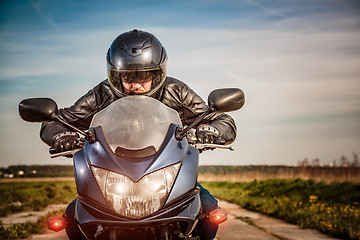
(136, 199)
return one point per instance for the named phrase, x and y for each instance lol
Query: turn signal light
(56, 223)
(218, 216)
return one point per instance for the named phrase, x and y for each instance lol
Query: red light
(56, 223)
(218, 216)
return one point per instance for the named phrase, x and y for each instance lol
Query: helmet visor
(123, 80)
(137, 77)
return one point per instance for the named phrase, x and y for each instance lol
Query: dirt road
(241, 225)
(260, 227)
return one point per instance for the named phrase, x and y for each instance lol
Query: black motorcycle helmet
(136, 53)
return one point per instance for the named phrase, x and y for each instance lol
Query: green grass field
(23, 196)
(332, 208)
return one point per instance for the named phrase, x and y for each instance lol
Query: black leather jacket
(175, 94)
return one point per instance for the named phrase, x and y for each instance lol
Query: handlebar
(81, 142)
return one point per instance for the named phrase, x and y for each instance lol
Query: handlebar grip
(79, 144)
(68, 154)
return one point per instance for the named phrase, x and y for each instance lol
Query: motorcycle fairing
(184, 211)
(100, 155)
(181, 207)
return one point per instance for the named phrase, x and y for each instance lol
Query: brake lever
(205, 146)
(68, 154)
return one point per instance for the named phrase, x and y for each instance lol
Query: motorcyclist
(136, 65)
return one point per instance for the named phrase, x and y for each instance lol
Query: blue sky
(298, 63)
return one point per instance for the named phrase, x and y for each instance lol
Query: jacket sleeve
(190, 106)
(80, 114)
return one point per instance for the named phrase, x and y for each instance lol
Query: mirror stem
(183, 132)
(88, 136)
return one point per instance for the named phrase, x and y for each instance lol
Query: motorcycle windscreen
(135, 126)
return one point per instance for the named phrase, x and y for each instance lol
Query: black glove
(208, 134)
(65, 141)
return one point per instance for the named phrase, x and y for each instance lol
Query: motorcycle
(136, 170)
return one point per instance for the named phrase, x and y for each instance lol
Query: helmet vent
(134, 50)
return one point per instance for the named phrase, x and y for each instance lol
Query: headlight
(136, 199)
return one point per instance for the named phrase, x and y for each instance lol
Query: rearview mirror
(226, 99)
(38, 109)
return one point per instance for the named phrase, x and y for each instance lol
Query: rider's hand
(65, 141)
(208, 134)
